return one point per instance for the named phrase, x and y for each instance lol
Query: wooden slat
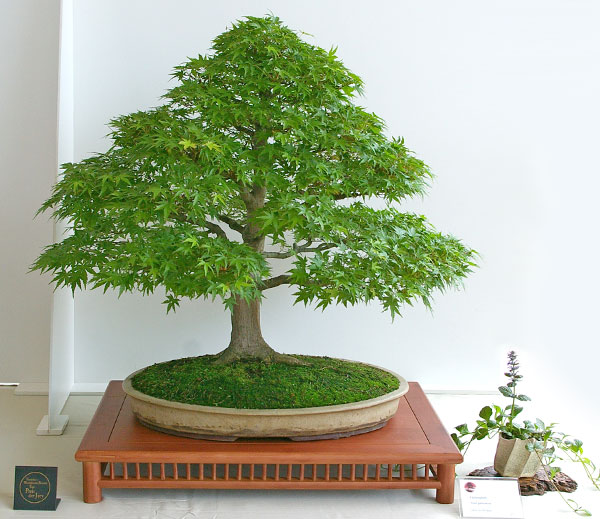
(365, 472)
(289, 472)
(378, 472)
(137, 471)
(149, 470)
(390, 471)
(270, 484)
(175, 474)
(301, 472)
(112, 470)
(314, 472)
(427, 471)
(414, 472)
(264, 472)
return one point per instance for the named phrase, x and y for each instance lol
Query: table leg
(92, 493)
(445, 474)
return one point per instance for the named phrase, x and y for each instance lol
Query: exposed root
(229, 355)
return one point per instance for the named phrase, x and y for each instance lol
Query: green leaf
(212, 145)
(486, 413)
(480, 433)
(457, 441)
(516, 410)
(186, 143)
(462, 429)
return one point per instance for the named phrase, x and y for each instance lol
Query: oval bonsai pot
(228, 424)
(513, 460)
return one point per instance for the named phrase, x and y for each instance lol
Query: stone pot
(513, 460)
(228, 424)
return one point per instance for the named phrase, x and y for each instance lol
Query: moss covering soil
(253, 384)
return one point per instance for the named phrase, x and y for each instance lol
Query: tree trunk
(246, 337)
(247, 341)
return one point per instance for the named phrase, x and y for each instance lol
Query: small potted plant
(524, 447)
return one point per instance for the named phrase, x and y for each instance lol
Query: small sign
(497, 498)
(35, 488)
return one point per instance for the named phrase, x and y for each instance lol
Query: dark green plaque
(35, 488)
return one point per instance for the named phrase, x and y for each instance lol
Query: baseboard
(459, 392)
(98, 388)
(32, 389)
(89, 388)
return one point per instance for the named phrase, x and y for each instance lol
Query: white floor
(20, 446)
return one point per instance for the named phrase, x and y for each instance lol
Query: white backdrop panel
(500, 99)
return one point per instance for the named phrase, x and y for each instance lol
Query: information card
(497, 498)
(35, 488)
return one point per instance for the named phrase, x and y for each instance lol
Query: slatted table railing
(412, 452)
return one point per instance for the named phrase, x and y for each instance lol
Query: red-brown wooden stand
(412, 451)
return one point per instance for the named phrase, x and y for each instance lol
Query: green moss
(253, 384)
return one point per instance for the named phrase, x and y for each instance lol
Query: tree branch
(244, 129)
(275, 281)
(278, 255)
(297, 249)
(322, 246)
(345, 196)
(234, 224)
(214, 228)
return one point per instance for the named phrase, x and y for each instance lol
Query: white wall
(501, 99)
(28, 90)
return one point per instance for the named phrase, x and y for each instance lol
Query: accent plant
(258, 153)
(543, 439)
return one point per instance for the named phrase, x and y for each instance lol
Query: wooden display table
(412, 451)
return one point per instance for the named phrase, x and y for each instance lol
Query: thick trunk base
(264, 353)
(246, 338)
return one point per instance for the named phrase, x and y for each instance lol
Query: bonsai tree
(258, 153)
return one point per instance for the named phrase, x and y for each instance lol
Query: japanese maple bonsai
(258, 153)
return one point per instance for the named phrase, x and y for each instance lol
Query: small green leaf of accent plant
(486, 413)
